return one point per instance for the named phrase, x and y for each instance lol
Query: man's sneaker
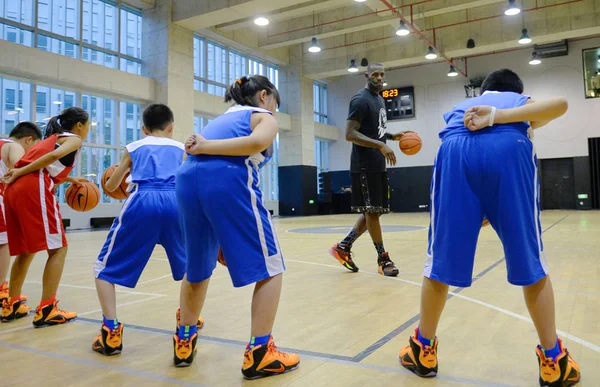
(4, 296)
(559, 372)
(265, 360)
(420, 359)
(386, 266)
(50, 315)
(109, 342)
(184, 350)
(344, 257)
(14, 311)
(199, 324)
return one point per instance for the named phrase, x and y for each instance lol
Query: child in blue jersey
(149, 217)
(221, 205)
(486, 167)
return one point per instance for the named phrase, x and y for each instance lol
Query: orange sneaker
(420, 359)
(344, 257)
(5, 296)
(265, 360)
(50, 315)
(14, 311)
(560, 372)
(184, 350)
(109, 342)
(199, 324)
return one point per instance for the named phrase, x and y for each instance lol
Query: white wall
(435, 94)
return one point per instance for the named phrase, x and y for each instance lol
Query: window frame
(202, 82)
(78, 43)
(118, 114)
(320, 115)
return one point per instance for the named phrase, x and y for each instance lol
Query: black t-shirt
(368, 108)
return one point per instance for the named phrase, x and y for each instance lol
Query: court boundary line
(94, 289)
(324, 357)
(452, 293)
(455, 293)
(97, 364)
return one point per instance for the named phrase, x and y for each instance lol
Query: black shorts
(370, 192)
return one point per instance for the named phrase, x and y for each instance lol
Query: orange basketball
(121, 192)
(485, 223)
(83, 197)
(410, 143)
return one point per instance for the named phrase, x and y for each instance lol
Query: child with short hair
(20, 140)
(149, 217)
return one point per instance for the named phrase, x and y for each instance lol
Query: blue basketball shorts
(489, 174)
(149, 217)
(220, 205)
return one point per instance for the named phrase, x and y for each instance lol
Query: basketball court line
(324, 357)
(94, 289)
(121, 305)
(97, 364)
(453, 293)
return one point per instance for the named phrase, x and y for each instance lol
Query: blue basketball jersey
(155, 160)
(501, 100)
(236, 123)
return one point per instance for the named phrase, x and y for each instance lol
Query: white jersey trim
(153, 140)
(240, 108)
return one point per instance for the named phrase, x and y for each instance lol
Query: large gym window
(217, 66)
(113, 123)
(591, 72)
(104, 32)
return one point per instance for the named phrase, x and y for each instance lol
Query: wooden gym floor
(347, 327)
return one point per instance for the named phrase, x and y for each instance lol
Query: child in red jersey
(33, 218)
(21, 138)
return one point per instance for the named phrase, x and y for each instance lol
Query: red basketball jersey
(56, 171)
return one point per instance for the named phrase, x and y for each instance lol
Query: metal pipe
(455, 24)
(348, 18)
(423, 37)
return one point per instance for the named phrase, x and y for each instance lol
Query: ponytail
(243, 91)
(53, 127)
(65, 121)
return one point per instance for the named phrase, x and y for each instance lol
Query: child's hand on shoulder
(195, 144)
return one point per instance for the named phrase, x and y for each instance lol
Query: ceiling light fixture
(314, 46)
(535, 59)
(431, 54)
(403, 29)
(452, 72)
(353, 68)
(261, 21)
(525, 39)
(512, 9)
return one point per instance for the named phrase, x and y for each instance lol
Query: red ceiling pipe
(422, 37)
(350, 18)
(497, 16)
(453, 24)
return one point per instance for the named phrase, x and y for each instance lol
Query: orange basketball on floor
(83, 197)
(485, 223)
(121, 192)
(410, 143)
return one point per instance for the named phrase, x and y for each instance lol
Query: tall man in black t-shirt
(366, 128)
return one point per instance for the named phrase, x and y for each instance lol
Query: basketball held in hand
(121, 192)
(83, 197)
(410, 143)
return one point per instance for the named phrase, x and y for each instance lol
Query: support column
(168, 52)
(297, 170)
